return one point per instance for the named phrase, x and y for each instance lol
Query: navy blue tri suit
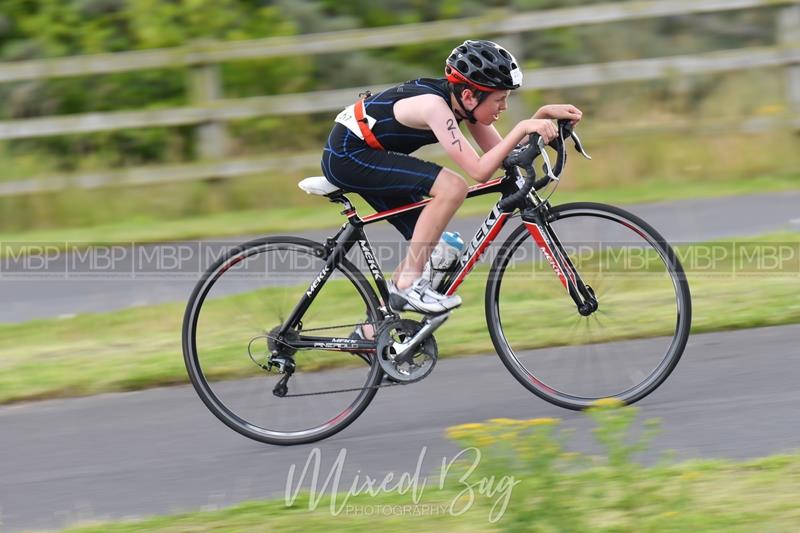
(386, 178)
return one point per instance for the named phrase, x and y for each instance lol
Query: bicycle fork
(553, 251)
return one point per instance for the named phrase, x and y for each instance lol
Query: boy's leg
(448, 193)
(378, 176)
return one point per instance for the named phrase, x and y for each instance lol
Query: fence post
(789, 38)
(206, 86)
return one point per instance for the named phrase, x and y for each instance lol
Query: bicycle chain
(373, 324)
(358, 388)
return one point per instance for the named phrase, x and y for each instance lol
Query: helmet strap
(469, 113)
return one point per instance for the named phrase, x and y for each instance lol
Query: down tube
(483, 238)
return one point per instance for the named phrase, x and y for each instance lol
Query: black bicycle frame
(337, 248)
(352, 233)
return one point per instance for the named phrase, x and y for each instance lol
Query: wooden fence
(209, 110)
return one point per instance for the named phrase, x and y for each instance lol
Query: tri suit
(389, 177)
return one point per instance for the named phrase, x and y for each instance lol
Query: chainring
(413, 367)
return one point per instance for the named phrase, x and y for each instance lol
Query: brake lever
(579, 146)
(547, 168)
(569, 131)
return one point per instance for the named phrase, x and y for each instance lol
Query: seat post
(339, 198)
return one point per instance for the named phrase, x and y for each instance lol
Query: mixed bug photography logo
(456, 475)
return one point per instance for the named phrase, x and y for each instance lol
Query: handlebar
(524, 155)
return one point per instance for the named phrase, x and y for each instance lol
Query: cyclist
(368, 152)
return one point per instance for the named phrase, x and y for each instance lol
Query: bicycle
(254, 321)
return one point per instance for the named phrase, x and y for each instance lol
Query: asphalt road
(120, 275)
(733, 395)
(161, 451)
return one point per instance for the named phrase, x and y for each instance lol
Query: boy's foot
(358, 334)
(420, 297)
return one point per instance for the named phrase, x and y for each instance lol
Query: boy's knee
(451, 185)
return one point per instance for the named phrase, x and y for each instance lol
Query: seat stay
(335, 255)
(351, 234)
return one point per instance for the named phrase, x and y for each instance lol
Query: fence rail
(315, 102)
(210, 111)
(495, 23)
(309, 161)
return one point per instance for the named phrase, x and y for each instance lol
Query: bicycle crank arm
(432, 323)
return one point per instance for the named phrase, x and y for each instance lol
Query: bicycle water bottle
(443, 257)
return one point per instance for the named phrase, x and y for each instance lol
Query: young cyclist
(368, 152)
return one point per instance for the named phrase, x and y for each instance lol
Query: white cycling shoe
(420, 297)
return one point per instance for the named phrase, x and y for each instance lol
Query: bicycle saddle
(318, 185)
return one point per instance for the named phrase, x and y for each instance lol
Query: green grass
(551, 491)
(140, 347)
(321, 214)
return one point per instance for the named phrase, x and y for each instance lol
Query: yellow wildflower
(463, 430)
(505, 421)
(484, 440)
(467, 427)
(771, 109)
(609, 402)
(542, 422)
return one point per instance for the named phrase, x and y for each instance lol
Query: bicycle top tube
(480, 189)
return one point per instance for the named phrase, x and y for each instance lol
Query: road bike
(583, 301)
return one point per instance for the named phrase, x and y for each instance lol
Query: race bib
(347, 118)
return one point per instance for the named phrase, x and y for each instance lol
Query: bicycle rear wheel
(626, 348)
(228, 336)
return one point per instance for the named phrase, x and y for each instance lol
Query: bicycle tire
(554, 389)
(201, 377)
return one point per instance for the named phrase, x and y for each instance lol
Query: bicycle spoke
(245, 303)
(619, 350)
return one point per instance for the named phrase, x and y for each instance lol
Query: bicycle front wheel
(229, 334)
(628, 346)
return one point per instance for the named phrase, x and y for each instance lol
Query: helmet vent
(485, 64)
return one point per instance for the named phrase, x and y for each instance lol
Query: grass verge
(320, 214)
(517, 475)
(140, 347)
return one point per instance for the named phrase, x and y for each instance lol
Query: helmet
(484, 65)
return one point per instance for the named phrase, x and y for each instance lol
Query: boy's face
(489, 110)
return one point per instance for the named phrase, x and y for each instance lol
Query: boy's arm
(438, 116)
(487, 137)
(559, 111)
